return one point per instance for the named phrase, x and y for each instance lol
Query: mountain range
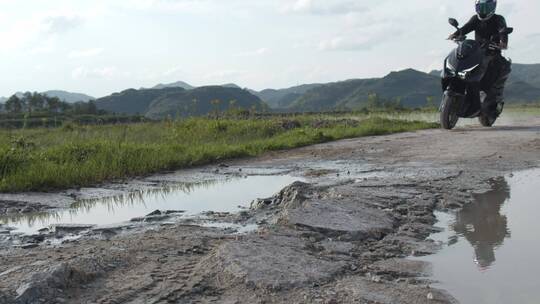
(202, 101)
(177, 101)
(62, 95)
(412, 88)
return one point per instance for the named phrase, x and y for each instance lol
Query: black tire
(486, 121)
(489, 120)
(449, 115)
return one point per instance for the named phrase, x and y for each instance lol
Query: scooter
(463, 72)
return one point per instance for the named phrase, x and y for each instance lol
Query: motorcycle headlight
(465, 73)
(450, 68)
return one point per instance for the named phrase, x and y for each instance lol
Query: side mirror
(506, 31)
(453, 22)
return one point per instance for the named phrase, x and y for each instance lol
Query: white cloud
(257, 52)
(166, 5)
(321, 7)
(62, 24)
(105, 72)
(344, 44)
(363, 38)
(19, 34)
(47, 47)
(223, 75)
(85, 53)
(172, 71)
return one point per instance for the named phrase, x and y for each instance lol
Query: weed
(74, 156)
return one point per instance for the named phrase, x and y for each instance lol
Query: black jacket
(486, 30)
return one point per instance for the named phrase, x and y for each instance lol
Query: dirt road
(342, 236)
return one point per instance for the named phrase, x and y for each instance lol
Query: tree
(36, 102)
(14, 104)
(25, 100)
(430, 102)
(216, 103)
(374, 102)
(53, 104)
(64, 107)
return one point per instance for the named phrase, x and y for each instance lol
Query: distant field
(46, 120)
(41, 159)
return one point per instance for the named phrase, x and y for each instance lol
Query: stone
(352, 221)
(175, 211)
(155, 218)
(156, 212)
(61, 230)
(28, 209)
(12, 210)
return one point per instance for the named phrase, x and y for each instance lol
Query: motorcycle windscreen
(467, 55)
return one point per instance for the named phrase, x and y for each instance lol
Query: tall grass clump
(76, 156)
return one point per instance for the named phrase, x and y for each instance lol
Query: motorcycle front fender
(455, 96)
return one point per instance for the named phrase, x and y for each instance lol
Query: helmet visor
(486, 9)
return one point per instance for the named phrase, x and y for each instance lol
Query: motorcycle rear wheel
(486, 121)
(449, 116)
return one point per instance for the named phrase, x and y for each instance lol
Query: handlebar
(458, 39)
(485, 45)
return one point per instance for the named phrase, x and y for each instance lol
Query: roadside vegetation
(531, 108)
(41, 159)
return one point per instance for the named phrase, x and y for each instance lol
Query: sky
(99, 47)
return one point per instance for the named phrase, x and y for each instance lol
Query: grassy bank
(74, 156)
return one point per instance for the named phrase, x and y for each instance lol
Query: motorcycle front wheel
(449, 115)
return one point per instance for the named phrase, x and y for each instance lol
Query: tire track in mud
(164, 273)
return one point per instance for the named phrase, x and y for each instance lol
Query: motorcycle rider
(487, 26)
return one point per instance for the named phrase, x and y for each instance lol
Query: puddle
(492, 245)
(228, 195)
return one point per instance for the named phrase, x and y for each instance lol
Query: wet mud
(344, 232)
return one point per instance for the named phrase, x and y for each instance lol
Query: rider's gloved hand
(453, 36)
(494, 46)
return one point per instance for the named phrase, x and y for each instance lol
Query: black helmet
(485, 8)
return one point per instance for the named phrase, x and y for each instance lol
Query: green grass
(75, 156)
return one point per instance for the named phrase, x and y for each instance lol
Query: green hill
(68, 96)
(176, 101)
(64, 96)
(283, 98)
(410, 87)
(529, 73)
(202, 101)
(521, 92)
(133, 101)
(178, 84)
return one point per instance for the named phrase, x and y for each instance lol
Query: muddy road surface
(343, 231)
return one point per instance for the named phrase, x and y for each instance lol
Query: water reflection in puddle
(493, 244)
(219, 196)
